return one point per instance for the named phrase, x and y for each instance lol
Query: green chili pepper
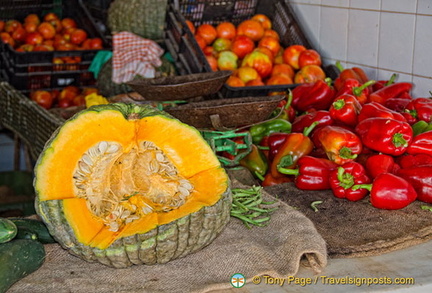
(256, 162)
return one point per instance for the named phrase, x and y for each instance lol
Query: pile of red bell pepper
(354, 136)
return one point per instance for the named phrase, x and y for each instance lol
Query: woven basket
(32, 123)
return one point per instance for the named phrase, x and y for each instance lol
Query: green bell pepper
(260, 130)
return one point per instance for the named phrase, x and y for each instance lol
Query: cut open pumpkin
(116, 171)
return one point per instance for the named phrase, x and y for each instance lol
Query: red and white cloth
(134, 55)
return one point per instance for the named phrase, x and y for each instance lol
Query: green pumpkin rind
(143, 18)
(160, 245)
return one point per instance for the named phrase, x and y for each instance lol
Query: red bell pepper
(399, 103)
(311, 173)
(390, 91)
(345, 177)
(306, 120)
(357, 89)
(383, 83)
(315, 95)
(420, 178)
(295, 146)
(345, 109)
(385, 135)
(381, 163)
(340, 144)
(269, 180)
(349, 73)
(274, 142)
(408, 161)
(420, 109)
(390, 192)
(374, 109)
(421, 144)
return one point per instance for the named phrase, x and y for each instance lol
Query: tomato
(226, 30)
(50, 16)
(247, 74)
(207, 32)
(270, 43)
(291, 55)
(234, 81)
(34, 38)
(47, 30)
(283, 68)
(42, 47)
(200, 41)
(56, 23)
(65, 103)
(32, 18)
(212, 62)
(227, 60)
(96, 44)
(271, 33)
(30, 27)
(309, 57)
(251, 28)
(309, 73)
(279, 78)
(2, 25)
(264, 20)
(265, 51)
(256, 82)
(7, 39)
(191, 26)
(68, 23)
(79, 100)
(42, 98)
(260, 62)
(25, 48)
(19, 34)
(12, 25)
(221, 44)
(242, 45)
(78, 36)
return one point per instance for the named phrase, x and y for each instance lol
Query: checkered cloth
(133, 55)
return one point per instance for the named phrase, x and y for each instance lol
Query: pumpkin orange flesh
(124, 174)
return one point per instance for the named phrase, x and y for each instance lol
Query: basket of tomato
(265, 47)
(47, 44)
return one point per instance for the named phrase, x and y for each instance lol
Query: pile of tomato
(253, 51)
(47, 33)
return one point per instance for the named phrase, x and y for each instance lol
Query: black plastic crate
(185, 50)
(27, 71)
(98, 10)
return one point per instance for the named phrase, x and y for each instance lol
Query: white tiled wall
(381, 36)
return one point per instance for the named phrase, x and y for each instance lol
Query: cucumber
(26, 234)
(33, 226)
(19, 258)
(8, 230)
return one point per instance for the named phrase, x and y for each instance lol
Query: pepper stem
(339, 66)
(339, 104)
(287, 171)
(346, 180)
(259, 175)
(357, 91)
(362, 186)
(391, 80)
(309, 129)
(285, 162)
(289, 99)
(346, 153)
(399, 141)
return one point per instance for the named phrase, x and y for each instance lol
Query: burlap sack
(357, 229)
(277, 250)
